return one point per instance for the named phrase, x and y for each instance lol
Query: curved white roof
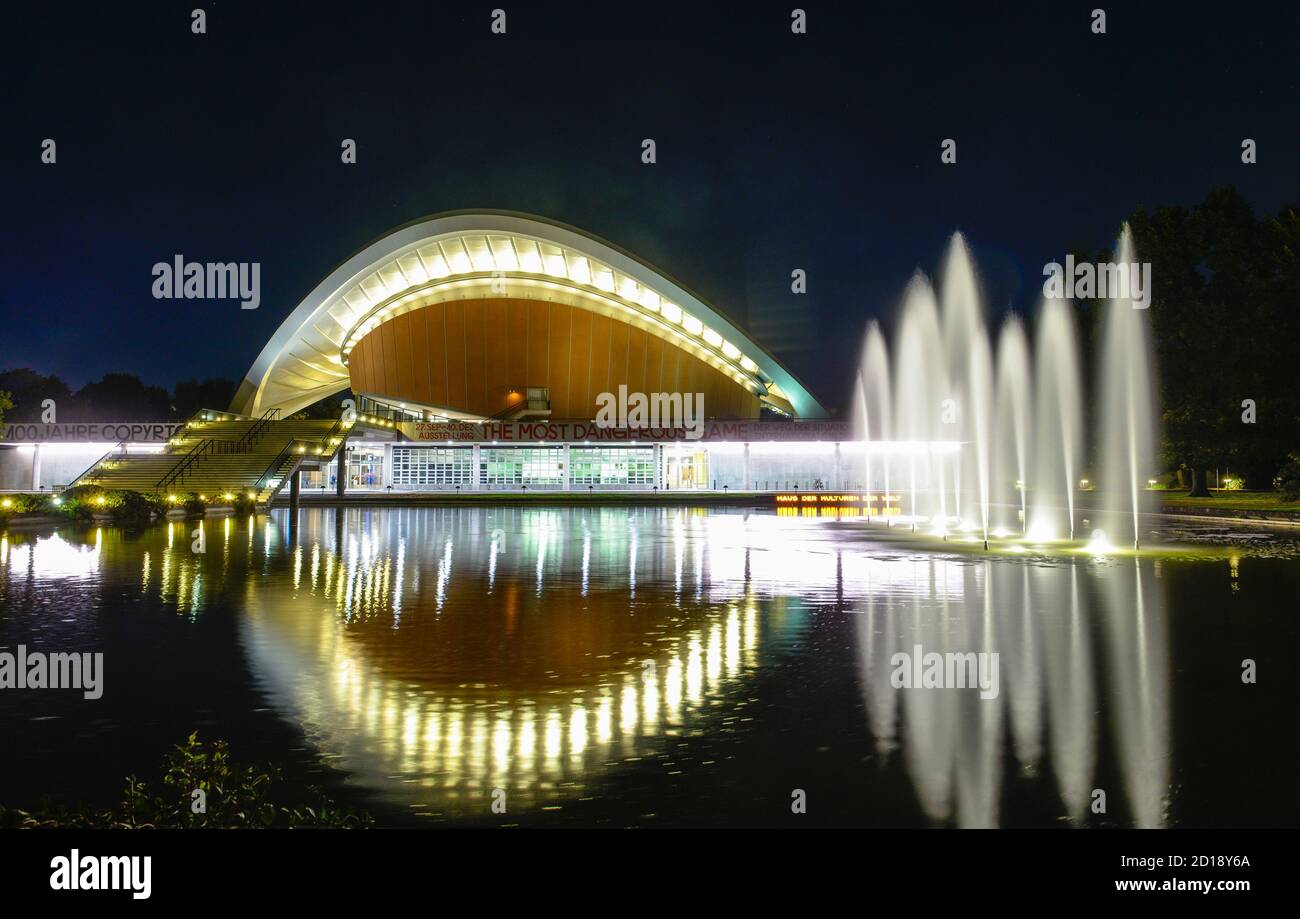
(469, 255)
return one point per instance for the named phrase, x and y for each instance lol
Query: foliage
(13, 505)
(6, 403)
(120, 396)
(115, 397)
(27, 389)
(329, 407)
(193, 504)
(234, 796)
(1226, 329)
(1288, 477)
(83, 501)
(191, 395)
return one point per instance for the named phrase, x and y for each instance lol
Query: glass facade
(767, 466)
(366, 467)
(617, 466)
(512, 467)
(433, 467)
(686, 468)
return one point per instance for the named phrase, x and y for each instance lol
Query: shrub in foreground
(233, 796)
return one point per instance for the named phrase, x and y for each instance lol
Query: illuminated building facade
(478, 348)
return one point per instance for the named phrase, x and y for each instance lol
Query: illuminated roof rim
(367, 259)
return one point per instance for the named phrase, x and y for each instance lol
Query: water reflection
(1038, 618)
(437, 654)
(529, 665)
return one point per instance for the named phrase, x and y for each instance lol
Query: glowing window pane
(530, 259)
(579, 270)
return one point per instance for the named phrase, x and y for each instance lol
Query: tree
(1226, 330)
(28, 391)
(329, 407)
(5, 404)
(190, 396)
(120, 397)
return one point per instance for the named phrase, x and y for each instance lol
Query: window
(686, 469)
(512, 466)
(433, 467)
(365, 467)
(612, 465)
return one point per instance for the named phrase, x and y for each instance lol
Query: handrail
(197, 453)
(274, 464)
(188, 460)
(255, 429)
(95, 465)
(288, 450)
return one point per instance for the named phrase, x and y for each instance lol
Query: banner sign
(104, 432)
(578, 431)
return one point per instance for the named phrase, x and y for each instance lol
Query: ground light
(1099, 544)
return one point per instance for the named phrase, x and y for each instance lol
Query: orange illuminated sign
(809, 497)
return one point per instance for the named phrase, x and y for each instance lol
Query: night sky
(775, 151)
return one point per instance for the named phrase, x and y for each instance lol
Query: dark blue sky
(775, 151)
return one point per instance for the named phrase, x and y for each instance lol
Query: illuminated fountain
(1127, 425)
(994, 445)
(875, 403)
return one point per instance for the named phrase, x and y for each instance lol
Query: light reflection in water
(1038, 619)
(533, 690)
(553, 644)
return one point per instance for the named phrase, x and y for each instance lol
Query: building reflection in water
(438, 654)
(473, 649)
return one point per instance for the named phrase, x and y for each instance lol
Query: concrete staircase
(219, 453)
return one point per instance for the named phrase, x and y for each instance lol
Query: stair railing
(188, 460)
(265, 477)
(256, 428)
(95, 465)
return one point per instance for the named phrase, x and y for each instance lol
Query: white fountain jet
(1126, 425)
(874, 414)
(920, 386)
(1058, 424)
(969, 363)
(1012, 440)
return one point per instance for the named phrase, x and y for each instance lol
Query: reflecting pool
(665, 666)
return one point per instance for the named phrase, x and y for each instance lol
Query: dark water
(662, 666)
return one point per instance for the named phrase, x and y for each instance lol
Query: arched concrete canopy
(470, 254)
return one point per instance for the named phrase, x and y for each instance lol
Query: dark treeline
(1225, 319)
(116, 397)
